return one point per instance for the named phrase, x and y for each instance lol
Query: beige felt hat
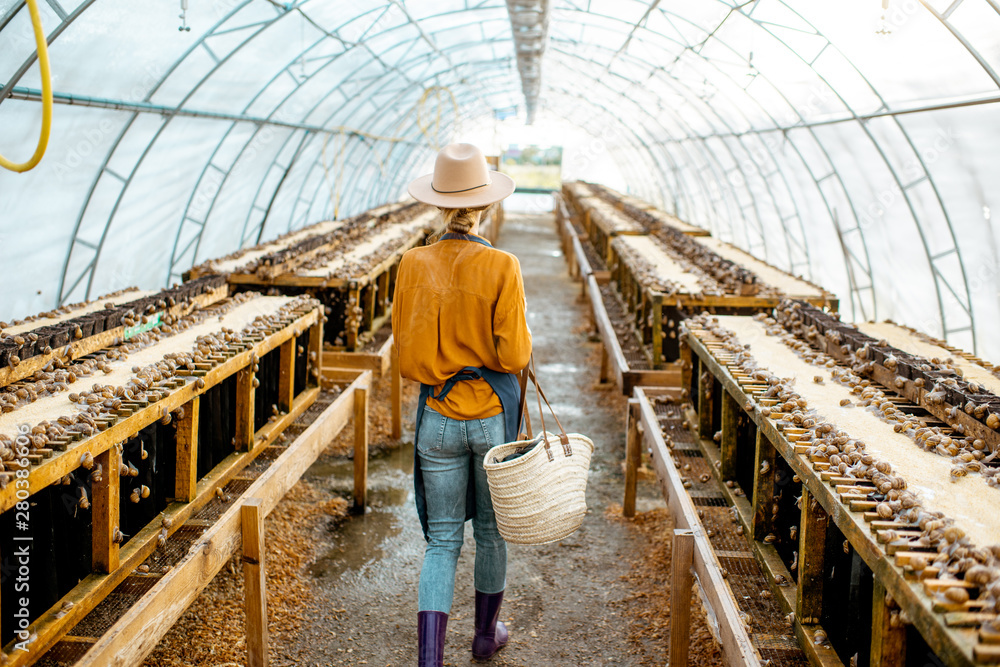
(461, 179)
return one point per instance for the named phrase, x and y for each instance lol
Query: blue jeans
(445, 447)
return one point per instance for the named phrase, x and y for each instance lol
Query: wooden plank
(342, 375)
(352, 325)
(681, 582)
(286, 374)
(315, 361)
(186, 479)
(705, 400)
(812, 548)
(888, 647)
(245, 400)
(358, 360)
(987, 653)
(584, 268)
(730, 433)
(254, 581)
(656, 304)
(670, 377)
(737, 648)
(633, 454)
(607, 331)
(105, 507)
(360, 449)
(138, 631)
(818, 655)
(763, 486)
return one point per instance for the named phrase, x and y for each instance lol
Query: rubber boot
(491, 634)
(431, 628)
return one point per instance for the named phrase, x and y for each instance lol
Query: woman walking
(458, 321)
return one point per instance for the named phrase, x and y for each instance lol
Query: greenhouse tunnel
(853, 145)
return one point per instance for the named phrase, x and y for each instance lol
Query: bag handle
(540, 395)
(521, 408)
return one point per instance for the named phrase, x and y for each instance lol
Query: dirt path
(564, 603)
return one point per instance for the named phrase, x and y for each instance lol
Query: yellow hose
(43, 65)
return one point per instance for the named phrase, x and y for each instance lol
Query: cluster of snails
(946, 545)
(930, 340)
(948, 375)
(967, 453)
(68, 309)
(646, 273)
(733, 277)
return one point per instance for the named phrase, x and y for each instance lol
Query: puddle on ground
(359, 540)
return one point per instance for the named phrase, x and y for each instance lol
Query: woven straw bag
(539, 497)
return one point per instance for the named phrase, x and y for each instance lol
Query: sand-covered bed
(974, 506)
(650, 251)
(769, 275)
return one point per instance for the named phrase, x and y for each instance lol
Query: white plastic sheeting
(853, 146)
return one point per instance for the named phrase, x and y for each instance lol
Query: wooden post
(105, 506)
(705, 388)
(657, 307)
(315, 352)
(396, 397)
(245, 395)
(186, 477)
(369, 304)
(763, 485)
(605, 362)
(888, 637)
(633, 456)
(812, 550)
(360, 448)
(730, 435)
(681, 582)
(286, 375)
(568, 250)
(383, 292)
(353, 321)
(254, 581)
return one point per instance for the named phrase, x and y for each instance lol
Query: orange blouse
(460, 303)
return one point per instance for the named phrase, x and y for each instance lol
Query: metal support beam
(35, 95)
(529, 22)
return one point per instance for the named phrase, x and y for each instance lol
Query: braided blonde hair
(461, 220)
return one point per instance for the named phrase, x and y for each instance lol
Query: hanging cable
(43, 66)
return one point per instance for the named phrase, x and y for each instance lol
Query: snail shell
(956, 595)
